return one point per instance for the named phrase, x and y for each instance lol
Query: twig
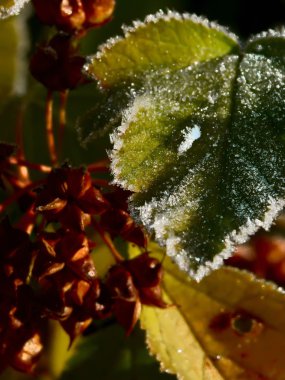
(23, 171)
(108, 241)
(62, 119)
(49, 129)
(23, 163)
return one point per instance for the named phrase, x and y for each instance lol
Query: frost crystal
(7, 11)
(189, 135)
(201, 144)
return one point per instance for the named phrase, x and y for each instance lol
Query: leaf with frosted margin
(170, 41)
(11, 7)
(13, 45)
(202, 143)
(183, 341)
(104, 116)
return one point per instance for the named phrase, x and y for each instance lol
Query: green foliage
(108, 354)
(201, 142)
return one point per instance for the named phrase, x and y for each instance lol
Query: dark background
(244, 17)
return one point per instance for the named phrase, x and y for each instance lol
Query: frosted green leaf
(104, 116)
(167, 40)
(202, 143)
(11, 7)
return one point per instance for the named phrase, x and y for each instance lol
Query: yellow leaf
(13, 47)
(229, 326)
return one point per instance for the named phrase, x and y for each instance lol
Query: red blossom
(70, 198)
(133, 283)
(74, 15)
(20, 322)
(56, 64)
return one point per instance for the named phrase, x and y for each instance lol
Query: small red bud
(56, 64)
(74, 15)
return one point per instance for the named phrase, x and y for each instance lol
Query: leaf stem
(108, 241)
(99, 166)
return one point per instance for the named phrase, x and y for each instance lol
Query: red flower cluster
(6, 175)
(264, 256)
(133, 283)
(49, 273)
(74, 15)
(20, 322)
(55, 277)
(56, 63)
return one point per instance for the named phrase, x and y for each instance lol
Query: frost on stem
(54, 277)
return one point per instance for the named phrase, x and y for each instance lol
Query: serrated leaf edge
(168, 15)
(180, 256)
(270, 33)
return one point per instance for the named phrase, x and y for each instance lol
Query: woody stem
(108, 241)
(62, 119)
(49, 128)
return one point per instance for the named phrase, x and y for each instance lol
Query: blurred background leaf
(109, 355)
(220, 328)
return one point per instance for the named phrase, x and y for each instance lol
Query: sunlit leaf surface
(229, 326)
(201, 142)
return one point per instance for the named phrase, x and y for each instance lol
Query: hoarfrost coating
(189, 136)
(200, 144)
(7, 11)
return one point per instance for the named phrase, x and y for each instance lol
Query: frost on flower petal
(11, 7)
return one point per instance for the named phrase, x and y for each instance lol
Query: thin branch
(29, 165)
(62, 119)
(15, 196)
(99, 166)
(108, 241)
(49, 128)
